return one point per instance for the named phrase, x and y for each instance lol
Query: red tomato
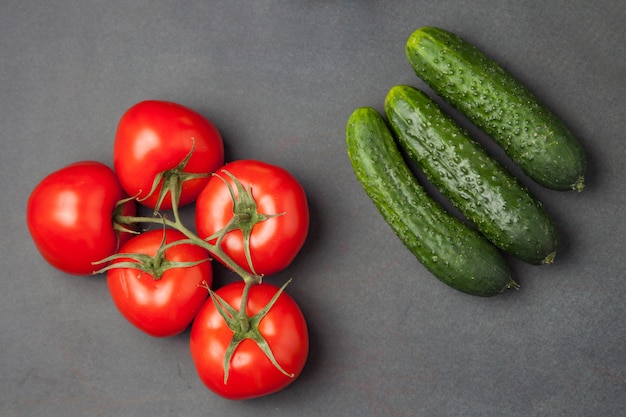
(274, 242)
(70, 216)
(167, 305)
(251, 374)
(156, 136)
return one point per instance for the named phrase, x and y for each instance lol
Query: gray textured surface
(280, 78)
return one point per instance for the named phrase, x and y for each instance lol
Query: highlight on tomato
(243, 350)
(162, 146)
(264, 210)
(158, 281)
(70, 216)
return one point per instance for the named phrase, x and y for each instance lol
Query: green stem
(243, 318)
(174, 191)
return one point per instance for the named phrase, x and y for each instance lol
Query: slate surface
(279, 79)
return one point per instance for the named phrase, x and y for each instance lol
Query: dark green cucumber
(452, 251)
(532, 136)
(499, 206)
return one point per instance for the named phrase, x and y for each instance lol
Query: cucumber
(500, 105)
(452, 251)
(501, 208)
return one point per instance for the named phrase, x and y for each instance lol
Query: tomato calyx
(245, 327)
(245, 215)
(153, 265)
(172, 180)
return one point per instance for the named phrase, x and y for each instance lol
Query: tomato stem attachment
(246, 327)
(172, 180)
(245, 214)
(153, 265)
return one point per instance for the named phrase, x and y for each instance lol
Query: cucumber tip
(549, 259)
(579, 185)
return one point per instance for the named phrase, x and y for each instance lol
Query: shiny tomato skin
(251, 373)
(275, 242)
(70, 216)
(154, 136)
(166, 306)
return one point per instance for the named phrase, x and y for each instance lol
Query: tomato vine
(245, 217)
(84, 220)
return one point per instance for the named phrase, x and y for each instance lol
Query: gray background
(279, 79)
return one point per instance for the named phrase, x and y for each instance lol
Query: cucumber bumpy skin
(452, 251)
(489, 196)
(500, 105)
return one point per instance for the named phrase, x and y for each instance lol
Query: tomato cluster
(248, 338)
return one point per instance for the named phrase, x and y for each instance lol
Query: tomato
(70, 216)
(251, 373)
(155, 137)
(162, 305)
(273, 242)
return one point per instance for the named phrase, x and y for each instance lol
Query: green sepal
(143, 263)
(245, 215)
(245, 327)
(154, 265)
(173, 180)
